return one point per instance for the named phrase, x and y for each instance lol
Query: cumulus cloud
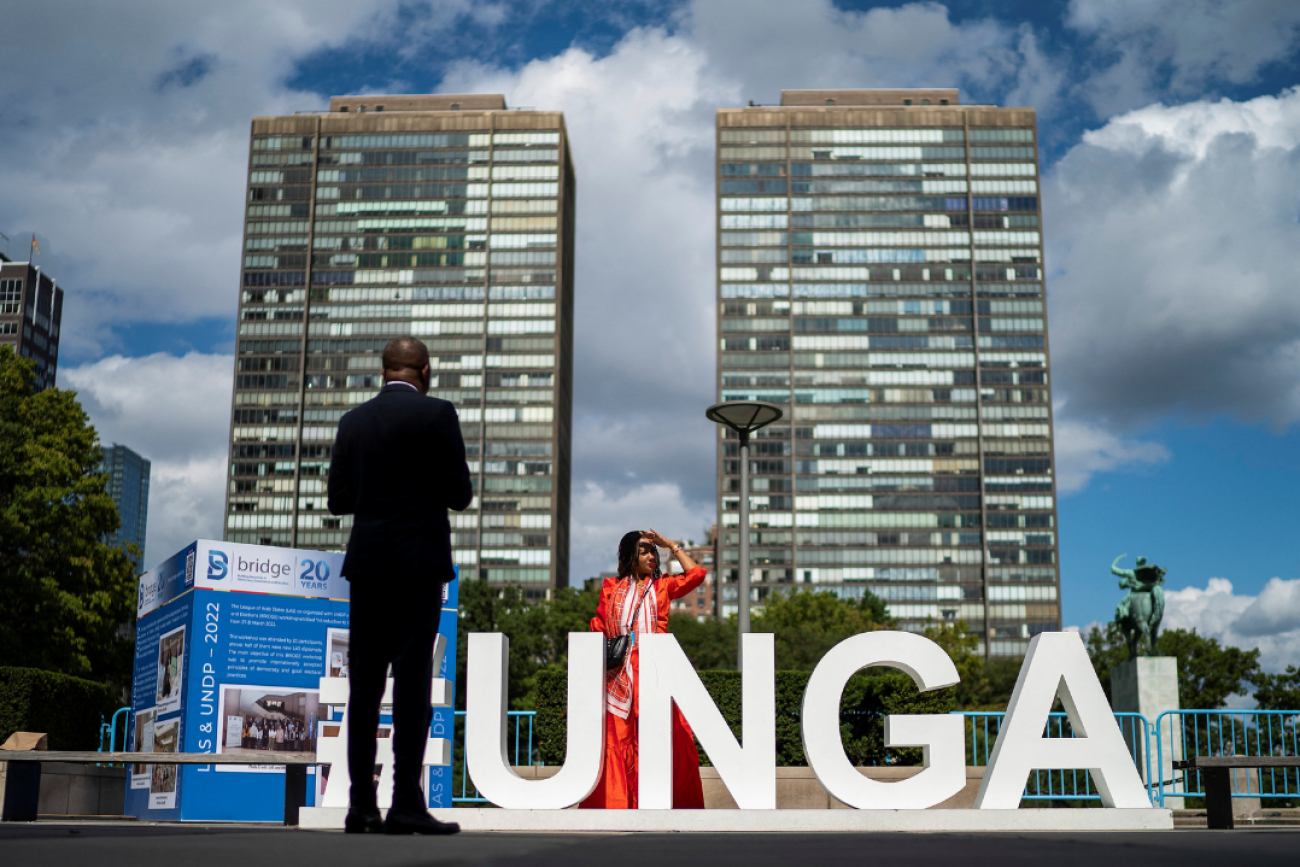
(1269, 621)
(129, 131)
(601, 516)
(175, 411)
(770, 45)
(1083, 450)
(126, 140)
(1171, 235)
(1172, 46)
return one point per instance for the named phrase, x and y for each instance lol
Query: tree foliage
(808, 623)
(709, 644)
(1107, 649)
(538, 631)
(66, 594)
(1279, 691)
(1208, 672)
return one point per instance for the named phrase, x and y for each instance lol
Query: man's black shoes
(417, 822)
(363, 822)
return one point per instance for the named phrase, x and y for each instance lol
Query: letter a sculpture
(1139, 613)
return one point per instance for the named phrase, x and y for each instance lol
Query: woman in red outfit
(640, 581)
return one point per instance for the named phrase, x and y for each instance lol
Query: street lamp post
(744, 417)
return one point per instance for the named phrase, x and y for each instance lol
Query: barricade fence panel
(1181, 734)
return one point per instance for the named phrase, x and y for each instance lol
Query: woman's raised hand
(656, 539)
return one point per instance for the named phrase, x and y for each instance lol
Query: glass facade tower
(445, 217)
(880, 276)
(128, 485)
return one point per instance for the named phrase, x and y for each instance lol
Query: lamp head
(744, 416)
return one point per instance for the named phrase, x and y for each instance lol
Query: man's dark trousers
(383, 633)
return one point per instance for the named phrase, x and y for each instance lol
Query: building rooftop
(420, 102)
(891, 96)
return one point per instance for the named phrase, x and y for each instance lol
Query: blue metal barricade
(524, 751)
(1184, 733)
(110, 729)
(982, 729)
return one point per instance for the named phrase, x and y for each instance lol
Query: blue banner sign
(231, 644)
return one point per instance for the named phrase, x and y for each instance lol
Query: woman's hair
(628, 549)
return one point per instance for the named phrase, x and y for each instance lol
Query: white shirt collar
(400, 382)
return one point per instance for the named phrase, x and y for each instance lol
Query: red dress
(617, 789)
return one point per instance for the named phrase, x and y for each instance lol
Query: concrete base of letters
(799, 788)
(780, 821)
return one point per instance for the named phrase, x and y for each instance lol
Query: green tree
(538, 631)
(66, 594)
(1278, 691)
(709, 644)
(1208, 672)
(807, 623)
(1106, 649)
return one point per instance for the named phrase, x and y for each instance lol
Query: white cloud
(1269, 621)
(129, 130)
(771, 45)
(1194, 45)
(1171, 238)
(601, 517)
(126, 140)
(175, 412)
(1083, 450)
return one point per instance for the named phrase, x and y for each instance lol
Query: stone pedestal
(1149, 685)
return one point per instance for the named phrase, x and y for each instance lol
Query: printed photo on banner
(336, 653)
(265, 721)
(142, 742)
(171, 670)
(332, 729)
(163, 780)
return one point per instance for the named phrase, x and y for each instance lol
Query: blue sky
(1171, 166)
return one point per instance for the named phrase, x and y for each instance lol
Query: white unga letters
(667, 677)
(1058, 661)
(939, 735)
(485, 725)
(1055, 662)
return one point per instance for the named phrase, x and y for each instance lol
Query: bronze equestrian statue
(1139, 613)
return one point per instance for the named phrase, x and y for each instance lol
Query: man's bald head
(407, 360)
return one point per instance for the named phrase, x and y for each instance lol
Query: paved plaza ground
(130, 844)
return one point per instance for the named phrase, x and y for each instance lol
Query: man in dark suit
(398, 464)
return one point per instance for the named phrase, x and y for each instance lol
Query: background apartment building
(445, 217)
(31, 313)
(880, 277)
(128, 485)
(702, 602)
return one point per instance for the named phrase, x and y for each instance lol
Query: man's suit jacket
(398, 465)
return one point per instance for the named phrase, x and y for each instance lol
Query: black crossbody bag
(616, 648)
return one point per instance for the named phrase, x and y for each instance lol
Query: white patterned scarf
(622, 605)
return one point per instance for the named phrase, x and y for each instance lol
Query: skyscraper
(880, 276)
(31, 312)
(446, 217)
(128, 485)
